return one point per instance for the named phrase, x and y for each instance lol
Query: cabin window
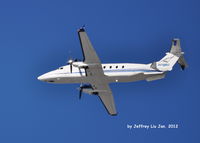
(122, 66)
(110, 67)
(104, 67)
(116, 67)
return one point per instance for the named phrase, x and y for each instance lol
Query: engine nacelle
(89, 91)
(80, 65)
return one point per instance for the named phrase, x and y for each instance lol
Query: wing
(99, 83)
(94, 69)
(89, 53)
(107, 99)
(105, 95)
(95, 73)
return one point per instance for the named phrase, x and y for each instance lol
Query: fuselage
(114, 72)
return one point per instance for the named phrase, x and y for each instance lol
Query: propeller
(80, 71)
(83, 86)
(80, 91)
(70, 62)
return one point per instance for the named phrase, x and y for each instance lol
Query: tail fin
(175, 55)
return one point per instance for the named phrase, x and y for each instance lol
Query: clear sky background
(38, 36)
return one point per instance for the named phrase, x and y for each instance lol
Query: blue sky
(37, 36)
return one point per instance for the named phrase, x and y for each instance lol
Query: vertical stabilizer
(171, 58)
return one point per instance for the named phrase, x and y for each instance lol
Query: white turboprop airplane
(95, 76)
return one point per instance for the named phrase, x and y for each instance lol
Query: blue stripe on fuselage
(124, 70)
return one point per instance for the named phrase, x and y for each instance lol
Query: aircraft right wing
(89, 53)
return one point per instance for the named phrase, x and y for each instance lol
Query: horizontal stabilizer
(156, 77)
(182, 62)
(176, 50)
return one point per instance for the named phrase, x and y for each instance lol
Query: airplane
(94, 77)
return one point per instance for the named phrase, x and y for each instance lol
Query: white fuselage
(115, 72)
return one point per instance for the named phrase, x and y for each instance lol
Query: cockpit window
(60, 68)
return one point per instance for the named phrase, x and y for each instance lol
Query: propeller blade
(80, 90)
(70, 62)
(80, 93)
(80, 71)
(70, 68)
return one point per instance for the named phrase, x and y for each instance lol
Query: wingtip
(82, 29)
(115, 114)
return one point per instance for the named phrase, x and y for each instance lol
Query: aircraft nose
(41, 78)
(47, 77)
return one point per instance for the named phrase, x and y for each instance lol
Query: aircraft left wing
(108, 102)
(95, 73)
(105, 95)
